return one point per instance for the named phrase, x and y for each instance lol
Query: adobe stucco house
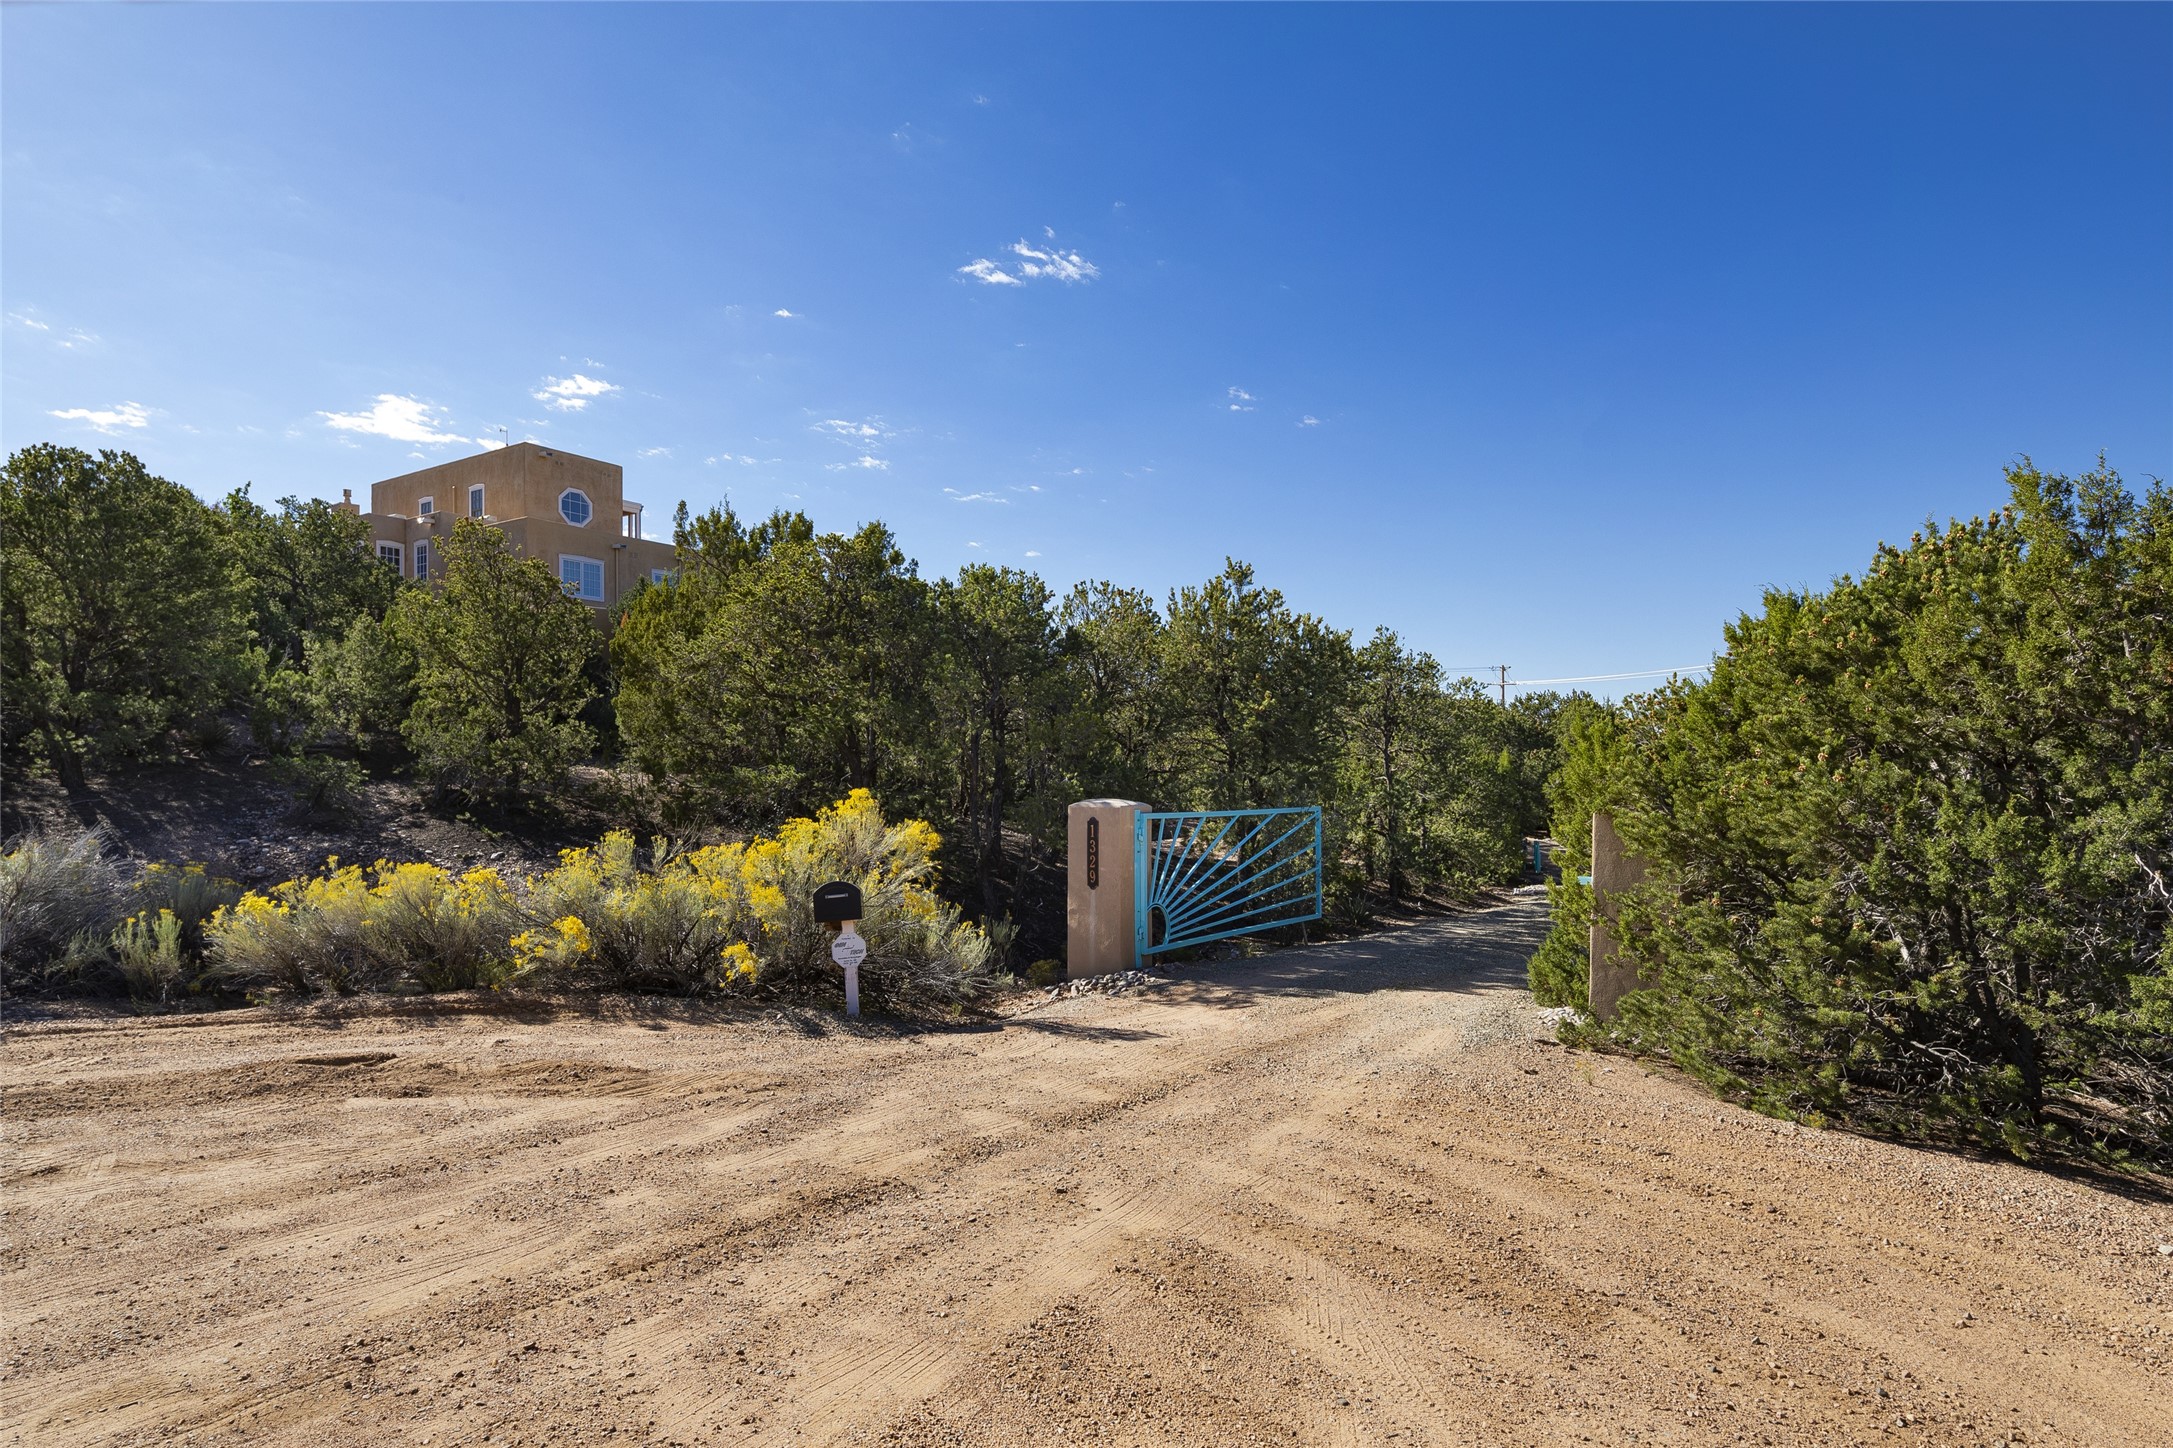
(567, 510)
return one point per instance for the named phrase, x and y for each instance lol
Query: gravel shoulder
(1343, 1194)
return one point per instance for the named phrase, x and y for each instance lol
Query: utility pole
(1503, 671)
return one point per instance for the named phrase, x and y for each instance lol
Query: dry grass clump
(66, 916)
(59, 895)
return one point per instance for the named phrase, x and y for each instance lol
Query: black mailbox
(837, 901)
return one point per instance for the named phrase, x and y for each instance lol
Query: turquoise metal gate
(1204, 875)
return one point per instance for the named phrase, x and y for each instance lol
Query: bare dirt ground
(1336, 1195)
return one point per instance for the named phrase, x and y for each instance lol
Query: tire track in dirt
(1337, 1197)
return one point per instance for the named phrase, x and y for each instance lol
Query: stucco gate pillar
(1613, 868)
(1100, 892)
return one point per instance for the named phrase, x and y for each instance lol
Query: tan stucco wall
(1613, 868)
(522, 485)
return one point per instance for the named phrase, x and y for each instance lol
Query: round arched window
(573, 506)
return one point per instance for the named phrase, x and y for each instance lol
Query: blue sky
(1547, 335)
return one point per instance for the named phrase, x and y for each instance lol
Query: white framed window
(424, 507)
(582, 578)
(475, 501)
(661, 576)
(422, 559)
(394, 554)
(575, 508)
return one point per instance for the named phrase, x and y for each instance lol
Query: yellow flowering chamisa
(413, 924)
(619, 916)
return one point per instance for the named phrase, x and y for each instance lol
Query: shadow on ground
(1486, 950)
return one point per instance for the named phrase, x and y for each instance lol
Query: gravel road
(1335, 1195)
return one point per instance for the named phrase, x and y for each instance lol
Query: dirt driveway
(1340, 1195)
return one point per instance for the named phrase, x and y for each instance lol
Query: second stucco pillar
(1613, 868)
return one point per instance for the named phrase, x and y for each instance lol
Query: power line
(1610, 678)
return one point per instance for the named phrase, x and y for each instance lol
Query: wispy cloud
(988, 272)
(866, 431)
(70, 340)
(1033, 553)
(1309, 421)
(571, 394)
(958, 497)
(863, 461)
(1034, 264)
(652, 452)
(1064, 266)
(784, 312)
(403, 419)
(107, 419)
(1240, 400)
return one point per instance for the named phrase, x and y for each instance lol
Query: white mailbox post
(838, 903)
(848, 950)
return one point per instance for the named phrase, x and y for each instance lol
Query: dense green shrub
(1909, 846)
(501, 670)
(122, 617)
(1560, 969)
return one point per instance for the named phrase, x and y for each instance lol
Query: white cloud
(571, 394)
(109, 420)
(783, 312)
(1033, 553)
(980, 100)
(652, 452)
(990, 273)
(1065, 266)
(1240, 400)
(1033, 263)
(958, 497)
(871, 430)
(1309, 421)
(863, 461)
(973, 545)
(403, 419)
(31, 322)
